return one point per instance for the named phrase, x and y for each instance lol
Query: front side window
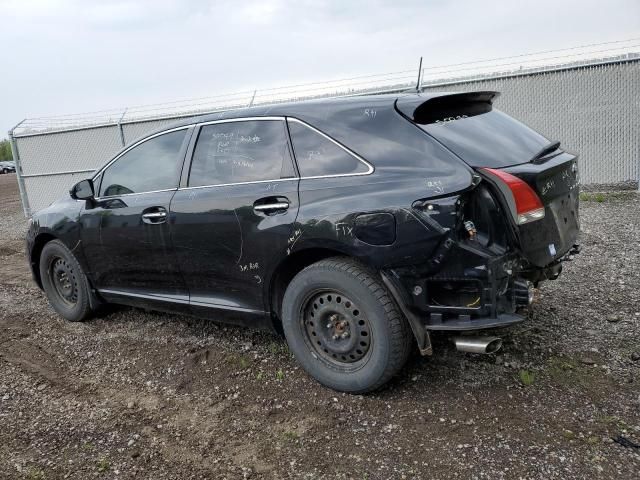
(150, 166)
(237, 152)
(318, 156)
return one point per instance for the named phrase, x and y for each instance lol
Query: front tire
(343, 327)
(64, 282)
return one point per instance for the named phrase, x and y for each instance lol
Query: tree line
(5, 150)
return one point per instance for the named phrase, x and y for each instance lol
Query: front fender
(58, 221)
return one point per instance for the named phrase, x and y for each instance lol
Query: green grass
(592, 197)
(559, 366)
(103, 465)
(526, 377)
(569, 372)
(35, 474)
(612, 421)
(278, 348)
(592, 440)
(291, 436)
(244, 362)
(280, 375)
(239, 360)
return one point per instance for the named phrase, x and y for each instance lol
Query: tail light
(526, 203)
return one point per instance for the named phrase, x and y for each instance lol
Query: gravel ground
(135, 394)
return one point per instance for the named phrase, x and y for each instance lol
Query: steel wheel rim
(64, 281)
(336, 329)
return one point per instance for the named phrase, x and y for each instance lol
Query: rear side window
(318, 156)
(150, 166)
(236, 152)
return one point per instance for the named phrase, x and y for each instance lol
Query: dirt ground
(135, 394)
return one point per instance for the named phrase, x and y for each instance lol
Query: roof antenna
(418, 84)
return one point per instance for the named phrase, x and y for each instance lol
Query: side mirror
(82, 190)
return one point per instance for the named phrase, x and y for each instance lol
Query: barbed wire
(540, 53)
(370, 83)
(545, 59)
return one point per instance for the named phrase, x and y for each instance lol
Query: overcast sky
(68, 56)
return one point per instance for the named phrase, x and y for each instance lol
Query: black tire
(64, 282)
(5, 171)
(339, 295)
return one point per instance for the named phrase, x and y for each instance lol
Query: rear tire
(343, 327)
(64, 282)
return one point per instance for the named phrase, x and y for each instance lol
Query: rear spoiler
(434, 109)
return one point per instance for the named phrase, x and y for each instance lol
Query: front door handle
(154, 215)
(271, 205)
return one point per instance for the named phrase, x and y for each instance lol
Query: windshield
(492, 139)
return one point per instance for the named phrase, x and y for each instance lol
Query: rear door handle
(271, 204)
(154, 215)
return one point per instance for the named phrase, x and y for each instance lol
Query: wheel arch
(289, 268)
(34, 255)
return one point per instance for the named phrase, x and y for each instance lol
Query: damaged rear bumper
(466, 322)
(477, 289)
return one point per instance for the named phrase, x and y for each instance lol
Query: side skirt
(181, 305)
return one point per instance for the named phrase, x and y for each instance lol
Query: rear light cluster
(528, 206)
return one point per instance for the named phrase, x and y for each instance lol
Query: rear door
(234, 212)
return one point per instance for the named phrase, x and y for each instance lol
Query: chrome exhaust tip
(478, 344)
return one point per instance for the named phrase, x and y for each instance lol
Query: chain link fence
(593, 109)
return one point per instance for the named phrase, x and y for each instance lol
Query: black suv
(7, 167)
(355, 226)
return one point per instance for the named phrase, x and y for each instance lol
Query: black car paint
(216, 254)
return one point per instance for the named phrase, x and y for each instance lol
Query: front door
(126, 232)
(233, 219)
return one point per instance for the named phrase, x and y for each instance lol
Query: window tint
(152, 165)
(317, 155)
(236, 152)
(491, 139)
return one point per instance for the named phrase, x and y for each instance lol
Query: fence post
(16, 158)
(120, 129)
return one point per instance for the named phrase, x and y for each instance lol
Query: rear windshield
(492, 139)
